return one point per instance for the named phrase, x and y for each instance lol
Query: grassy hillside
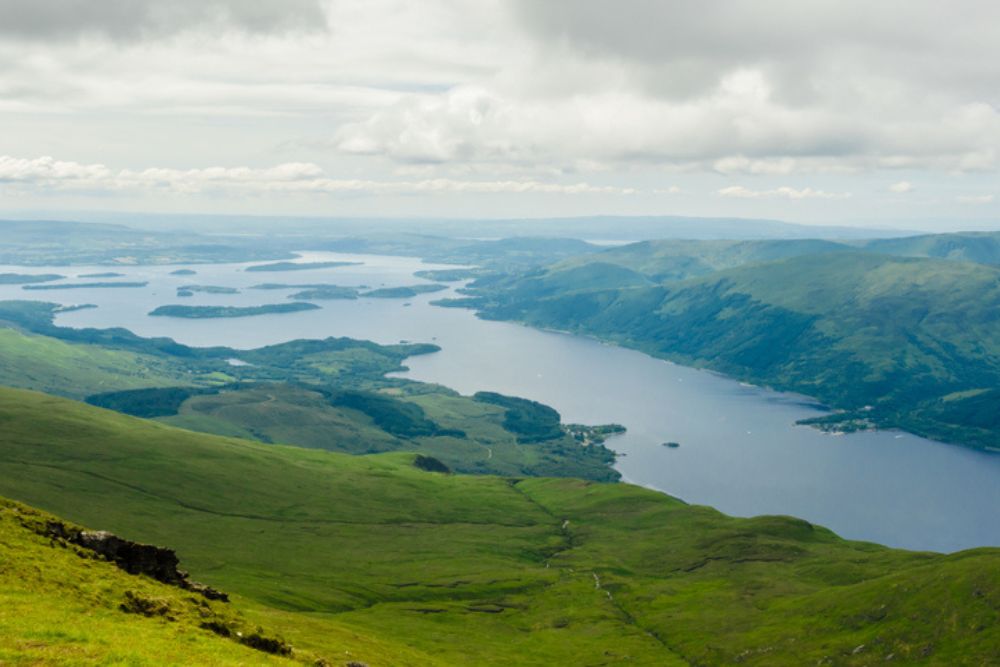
(64, 604)
(905, 342)
(51, 365)
(492, 571)
(282, 393)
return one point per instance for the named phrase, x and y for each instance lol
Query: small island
(298, 266)
(448, 275)
(273, 286)
(326, 292)
(671, 444)
(211, 312)
(74, 308)
(183, 272)
(406, 292)
(208, 289)
(28, 278)
(85, 286)
(184, 292)
(110, 274)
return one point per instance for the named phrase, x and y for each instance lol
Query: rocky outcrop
(133, 557)
(430, 464)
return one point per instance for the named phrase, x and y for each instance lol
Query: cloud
(129, 20)
(475, 124)
(765, 88)
(49, 170)
(46, 173)
(512, 96)
(975, 199)
(741, 192)
(901, 187)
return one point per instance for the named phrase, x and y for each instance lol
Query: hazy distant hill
(598, 227)
(56, 242)
(981, 247)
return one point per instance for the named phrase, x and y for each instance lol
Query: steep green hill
(63, 603)
(60, 603)
(338, 553)
(906, 342)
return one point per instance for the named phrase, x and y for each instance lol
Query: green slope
(897, 342)
(486, 570)
(980, 247)
(61, 604)
(281, 393)
(48, 364)
(660, 261)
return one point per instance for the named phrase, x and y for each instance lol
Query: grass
(286, 393)
(59, 606)
(487, 570)
(51, 365)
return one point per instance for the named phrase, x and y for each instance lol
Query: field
(488, 570)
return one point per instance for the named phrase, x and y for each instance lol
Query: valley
(416, 484)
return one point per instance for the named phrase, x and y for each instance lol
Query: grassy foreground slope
(896, 342)
(60, 605)
(486, 570)
(64, 604)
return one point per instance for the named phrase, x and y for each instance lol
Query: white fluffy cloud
(784, 192)
(293, 177)
(902, 187)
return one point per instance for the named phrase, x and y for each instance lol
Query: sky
(834, 112)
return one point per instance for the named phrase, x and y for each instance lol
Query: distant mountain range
(598, 227)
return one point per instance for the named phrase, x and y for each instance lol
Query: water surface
(740, 449)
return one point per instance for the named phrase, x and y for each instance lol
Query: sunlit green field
(489, 570)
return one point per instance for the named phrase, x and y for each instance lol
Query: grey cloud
(684, 47)
(754, 85)
(128, 20)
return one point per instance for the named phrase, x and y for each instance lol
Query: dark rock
(138, 604)
(266, 644)
(430, 464)
(133, 557)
